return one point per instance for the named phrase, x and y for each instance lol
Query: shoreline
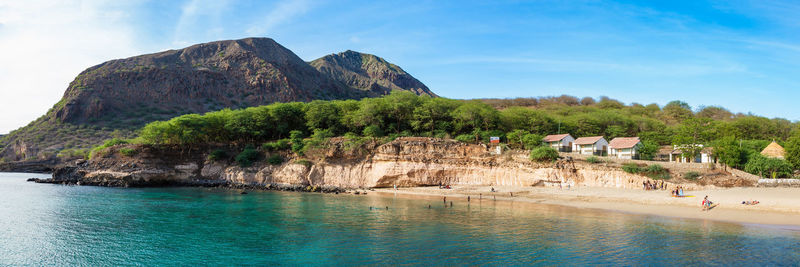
(779, 207)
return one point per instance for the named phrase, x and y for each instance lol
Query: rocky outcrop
(402, 162)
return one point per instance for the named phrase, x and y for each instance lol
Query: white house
(561, 142)
(624, 147)
(593, 145)
(705, 155)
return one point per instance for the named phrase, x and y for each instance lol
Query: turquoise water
(43, 224)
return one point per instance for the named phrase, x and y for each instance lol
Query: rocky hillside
(116, 97)
(409, 161)
(368, 72)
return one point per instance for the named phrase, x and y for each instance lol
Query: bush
(544, 153)
(248, 156)
(631, 168)
(304, 162)
(592, 160)
(128, 152)
(691, 175)
(768, 167)
(275, 159)
(466, 138)
(655, 168)
(297, 141)
(108, 143)
(281, 144)
(217, 154)
(372, 131)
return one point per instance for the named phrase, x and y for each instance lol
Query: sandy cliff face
(403, 162)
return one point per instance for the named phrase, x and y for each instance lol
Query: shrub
(217, 154)
(592, 160)
(768, 167)
(297, 141)
(372, 131)
(660, 176)
(281, 144)
(108, 143)
(466, 138)
(128, 152)
(531, 141)
(275, 159)
(631, 168)
(544, 153)
(691, 175)
(655, 168)
(304, 162)
(248, 156)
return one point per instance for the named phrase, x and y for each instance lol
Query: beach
(777, 207)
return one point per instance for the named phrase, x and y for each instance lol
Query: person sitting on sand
(706, 203)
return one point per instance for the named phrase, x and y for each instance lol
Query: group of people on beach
(654, 185)
(678, 192)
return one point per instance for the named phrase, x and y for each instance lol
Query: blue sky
(742, 55)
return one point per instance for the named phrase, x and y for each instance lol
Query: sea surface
(56, 225)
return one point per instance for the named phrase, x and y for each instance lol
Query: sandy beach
(778, 206)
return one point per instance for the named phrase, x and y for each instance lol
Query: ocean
(44, 224)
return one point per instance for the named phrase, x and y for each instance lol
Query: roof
(666, 150)
(623, 142)
(554, 137)
(587, 140)
(773, 150)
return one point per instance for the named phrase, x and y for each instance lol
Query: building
(593, 145)
(561, 142)
(675, 154)
(624, 147)
(773, 150)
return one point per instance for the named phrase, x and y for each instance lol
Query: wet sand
(779, 206)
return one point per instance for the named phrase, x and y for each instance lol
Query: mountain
(368, 72)
(115, 98)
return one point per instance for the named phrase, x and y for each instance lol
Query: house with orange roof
(624, 147)
(561, 142)
(592, 145)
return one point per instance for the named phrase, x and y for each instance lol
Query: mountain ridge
(116, 97)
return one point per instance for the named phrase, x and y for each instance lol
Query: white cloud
(282, 13)
(45, 44)
(200, 20)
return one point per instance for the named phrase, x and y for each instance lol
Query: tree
(728, 152)
(515, 138)
(676, 111)
(474, 115)
(531, 141)
(372, 131)
(690, 135)
(323, 115)
(792, 149)
(648, 150)
(768, 167)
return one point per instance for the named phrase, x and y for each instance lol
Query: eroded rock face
(403, 162)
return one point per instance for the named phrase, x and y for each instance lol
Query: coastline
(779, 207)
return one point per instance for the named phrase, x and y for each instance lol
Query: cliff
(403, 162)
(116, 97)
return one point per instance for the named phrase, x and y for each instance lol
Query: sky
(741, 55)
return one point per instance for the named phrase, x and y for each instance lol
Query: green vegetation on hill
(737, 137)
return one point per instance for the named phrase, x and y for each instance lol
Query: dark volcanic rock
(369, 72)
